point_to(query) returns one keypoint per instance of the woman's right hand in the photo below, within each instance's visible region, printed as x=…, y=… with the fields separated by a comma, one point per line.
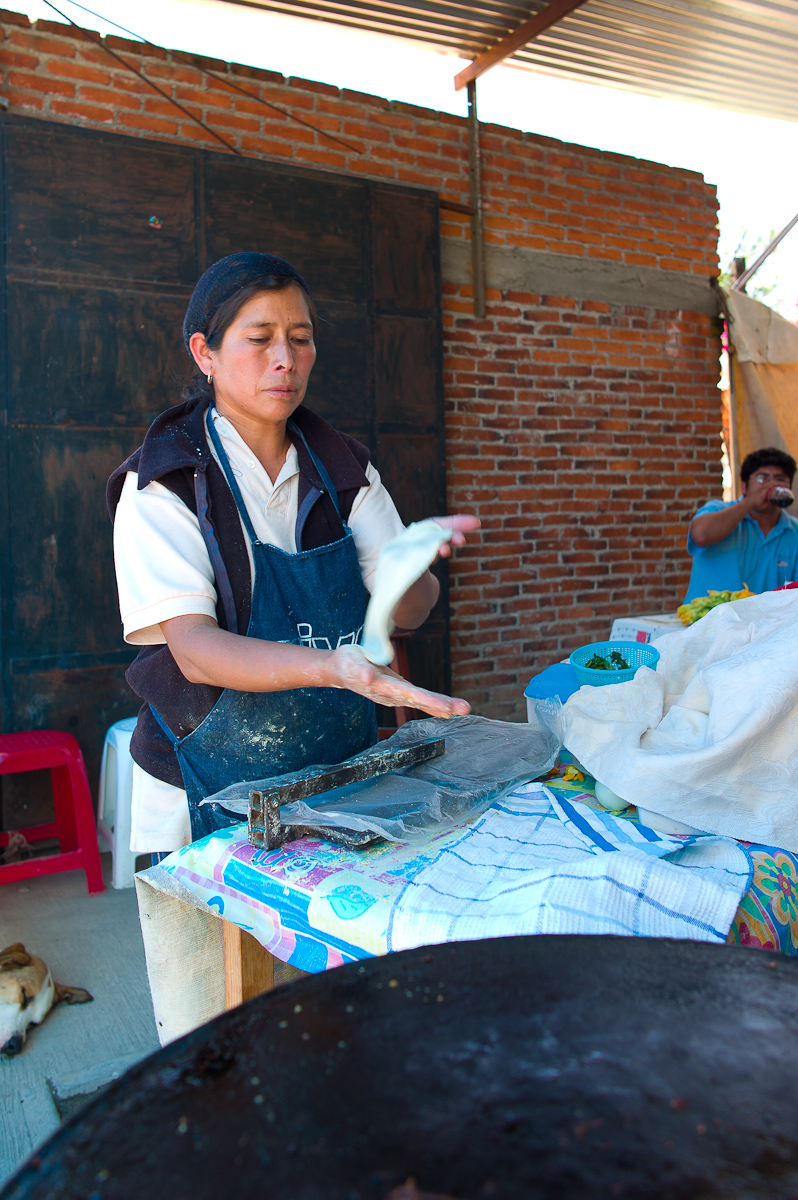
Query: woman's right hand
x=350, y=669
x=207, y=654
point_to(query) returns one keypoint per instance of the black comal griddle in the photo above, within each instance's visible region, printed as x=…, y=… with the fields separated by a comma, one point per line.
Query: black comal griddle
x=548, y=1067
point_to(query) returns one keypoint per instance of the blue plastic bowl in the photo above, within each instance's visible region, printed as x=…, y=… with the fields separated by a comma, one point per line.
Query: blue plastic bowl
x=637, y=654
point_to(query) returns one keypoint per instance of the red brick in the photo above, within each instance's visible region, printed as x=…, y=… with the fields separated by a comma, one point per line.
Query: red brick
x=196, y=133
x=35, y=41
x=203, y=97
x=87, y=112
x=13, y=18
x=245, y=72
x=68, y=31
x=147, y=123
x=110, y=96
x=267, y=147
x=56, y=87
x=308, y=85
x=323, y=158
x=76, y=70
x=174, y=73
x=19, y=99
x=153, y=103
x=11, y=58
x=144, y=49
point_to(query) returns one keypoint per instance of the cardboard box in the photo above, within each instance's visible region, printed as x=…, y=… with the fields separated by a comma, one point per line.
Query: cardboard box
x=644, y=629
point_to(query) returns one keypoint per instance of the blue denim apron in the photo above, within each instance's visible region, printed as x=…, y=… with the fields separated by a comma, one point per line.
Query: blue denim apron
x=311, y=598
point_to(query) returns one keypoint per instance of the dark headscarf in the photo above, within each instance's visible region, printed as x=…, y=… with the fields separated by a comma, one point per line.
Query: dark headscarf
x=224, y=279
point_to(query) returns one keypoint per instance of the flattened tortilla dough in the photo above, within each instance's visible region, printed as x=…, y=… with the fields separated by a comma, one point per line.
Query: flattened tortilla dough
x=402, y=561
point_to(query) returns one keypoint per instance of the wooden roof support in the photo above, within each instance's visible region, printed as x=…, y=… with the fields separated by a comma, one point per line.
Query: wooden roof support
x=475, y=196
x=526, y=32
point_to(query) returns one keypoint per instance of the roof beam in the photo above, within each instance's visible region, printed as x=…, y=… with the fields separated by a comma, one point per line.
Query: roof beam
x=525, y=33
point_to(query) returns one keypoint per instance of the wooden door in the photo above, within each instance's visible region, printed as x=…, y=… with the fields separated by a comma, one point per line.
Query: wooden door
x=106, y=236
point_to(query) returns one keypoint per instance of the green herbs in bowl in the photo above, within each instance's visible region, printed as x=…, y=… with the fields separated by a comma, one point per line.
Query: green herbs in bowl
x=601, y=663
x=612, y=662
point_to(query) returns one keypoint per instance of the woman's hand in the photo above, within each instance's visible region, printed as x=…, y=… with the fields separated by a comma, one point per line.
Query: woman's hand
x=207, y=654
x=461, y=523
x=422, y=596
x=382, y=685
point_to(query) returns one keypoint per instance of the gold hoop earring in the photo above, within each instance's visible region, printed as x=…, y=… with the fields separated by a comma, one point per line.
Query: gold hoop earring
x=210, y=377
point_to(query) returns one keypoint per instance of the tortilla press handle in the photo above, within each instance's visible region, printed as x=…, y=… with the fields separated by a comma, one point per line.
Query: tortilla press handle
x=265, y=828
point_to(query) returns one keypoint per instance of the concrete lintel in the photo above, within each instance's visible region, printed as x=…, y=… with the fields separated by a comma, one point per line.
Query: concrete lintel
x=518, y=269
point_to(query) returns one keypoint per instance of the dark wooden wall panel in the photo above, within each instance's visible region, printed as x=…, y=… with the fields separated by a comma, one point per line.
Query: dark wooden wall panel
x=83, y=204
x=338, y=388
x=94, y=297
x=60, y=566
x=406, y=249
x=95, y=356
x=405, y=385
x=317, y=221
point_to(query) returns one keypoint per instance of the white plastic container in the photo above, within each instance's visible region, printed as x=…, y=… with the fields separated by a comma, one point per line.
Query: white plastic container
x=557, y=680
x=115, y=799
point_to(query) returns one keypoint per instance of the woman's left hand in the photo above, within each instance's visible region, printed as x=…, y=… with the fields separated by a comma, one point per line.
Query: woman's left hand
x=421, y=597
x=461, y=523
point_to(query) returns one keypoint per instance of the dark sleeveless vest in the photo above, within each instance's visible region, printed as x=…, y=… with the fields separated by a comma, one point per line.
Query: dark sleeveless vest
x=174, y=452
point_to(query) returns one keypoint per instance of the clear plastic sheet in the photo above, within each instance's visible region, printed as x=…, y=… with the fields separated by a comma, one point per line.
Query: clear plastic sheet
x=483, y=759
x=548, y=714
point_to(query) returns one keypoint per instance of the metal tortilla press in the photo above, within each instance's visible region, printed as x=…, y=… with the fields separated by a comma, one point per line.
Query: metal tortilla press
x=264, y=825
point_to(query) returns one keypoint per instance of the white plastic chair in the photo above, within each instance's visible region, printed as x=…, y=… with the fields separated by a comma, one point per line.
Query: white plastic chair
x=114, y=801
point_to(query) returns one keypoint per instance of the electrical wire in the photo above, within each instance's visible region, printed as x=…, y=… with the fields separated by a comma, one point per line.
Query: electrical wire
x=219, y=78
x=107, y=21
x=129, y=66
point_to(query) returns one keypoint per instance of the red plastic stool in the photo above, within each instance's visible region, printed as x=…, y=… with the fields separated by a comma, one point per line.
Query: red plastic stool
x=74, y=814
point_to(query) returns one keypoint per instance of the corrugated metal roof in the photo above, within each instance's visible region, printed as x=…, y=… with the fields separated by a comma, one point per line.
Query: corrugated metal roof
x=735, y=54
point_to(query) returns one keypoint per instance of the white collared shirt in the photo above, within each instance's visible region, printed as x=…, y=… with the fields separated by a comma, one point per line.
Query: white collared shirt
x=162, y=564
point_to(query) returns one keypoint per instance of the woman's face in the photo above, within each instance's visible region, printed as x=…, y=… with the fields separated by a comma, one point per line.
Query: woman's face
x=261, y=369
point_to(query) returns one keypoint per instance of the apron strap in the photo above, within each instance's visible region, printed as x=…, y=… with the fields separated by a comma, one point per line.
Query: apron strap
x=231, y=479
x=224, y=590
x=319, y=465
x=175, y=741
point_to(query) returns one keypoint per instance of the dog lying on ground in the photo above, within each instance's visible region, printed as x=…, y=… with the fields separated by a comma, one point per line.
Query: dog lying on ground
x=27, y=993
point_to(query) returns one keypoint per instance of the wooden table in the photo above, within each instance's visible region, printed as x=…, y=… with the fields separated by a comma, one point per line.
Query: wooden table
x=248, y=966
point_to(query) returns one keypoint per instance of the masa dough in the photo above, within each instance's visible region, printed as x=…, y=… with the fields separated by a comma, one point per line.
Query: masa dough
x=402, y=561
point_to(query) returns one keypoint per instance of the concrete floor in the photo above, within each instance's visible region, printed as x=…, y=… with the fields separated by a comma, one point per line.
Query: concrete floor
x=92, y=942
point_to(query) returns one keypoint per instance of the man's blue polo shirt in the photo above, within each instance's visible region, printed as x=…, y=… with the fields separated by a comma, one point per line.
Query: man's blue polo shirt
x=745, y=556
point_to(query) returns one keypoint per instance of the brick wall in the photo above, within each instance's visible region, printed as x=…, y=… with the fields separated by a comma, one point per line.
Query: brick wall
x=583, y=436
x=583, y=432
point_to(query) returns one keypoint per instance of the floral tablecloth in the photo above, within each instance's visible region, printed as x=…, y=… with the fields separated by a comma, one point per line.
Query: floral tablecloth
x=768, y=914
x=316, y=906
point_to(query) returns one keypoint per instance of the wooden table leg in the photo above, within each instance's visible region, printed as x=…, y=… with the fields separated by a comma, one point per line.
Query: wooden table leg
x=248, y=967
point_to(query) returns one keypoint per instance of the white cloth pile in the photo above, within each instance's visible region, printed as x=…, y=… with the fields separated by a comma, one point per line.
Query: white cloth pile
x=536, y=863
x=711, y=738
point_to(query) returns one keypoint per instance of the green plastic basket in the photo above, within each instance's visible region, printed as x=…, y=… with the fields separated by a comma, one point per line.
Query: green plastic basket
x=637, y=654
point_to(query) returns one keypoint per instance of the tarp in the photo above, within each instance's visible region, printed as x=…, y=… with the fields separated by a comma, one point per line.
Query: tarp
x=764, y=369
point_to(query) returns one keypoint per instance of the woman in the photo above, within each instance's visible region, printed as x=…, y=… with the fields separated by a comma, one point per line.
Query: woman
x=246, y=532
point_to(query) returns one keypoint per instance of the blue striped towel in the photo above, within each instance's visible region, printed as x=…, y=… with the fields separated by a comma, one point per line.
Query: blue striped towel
x=536, y=863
